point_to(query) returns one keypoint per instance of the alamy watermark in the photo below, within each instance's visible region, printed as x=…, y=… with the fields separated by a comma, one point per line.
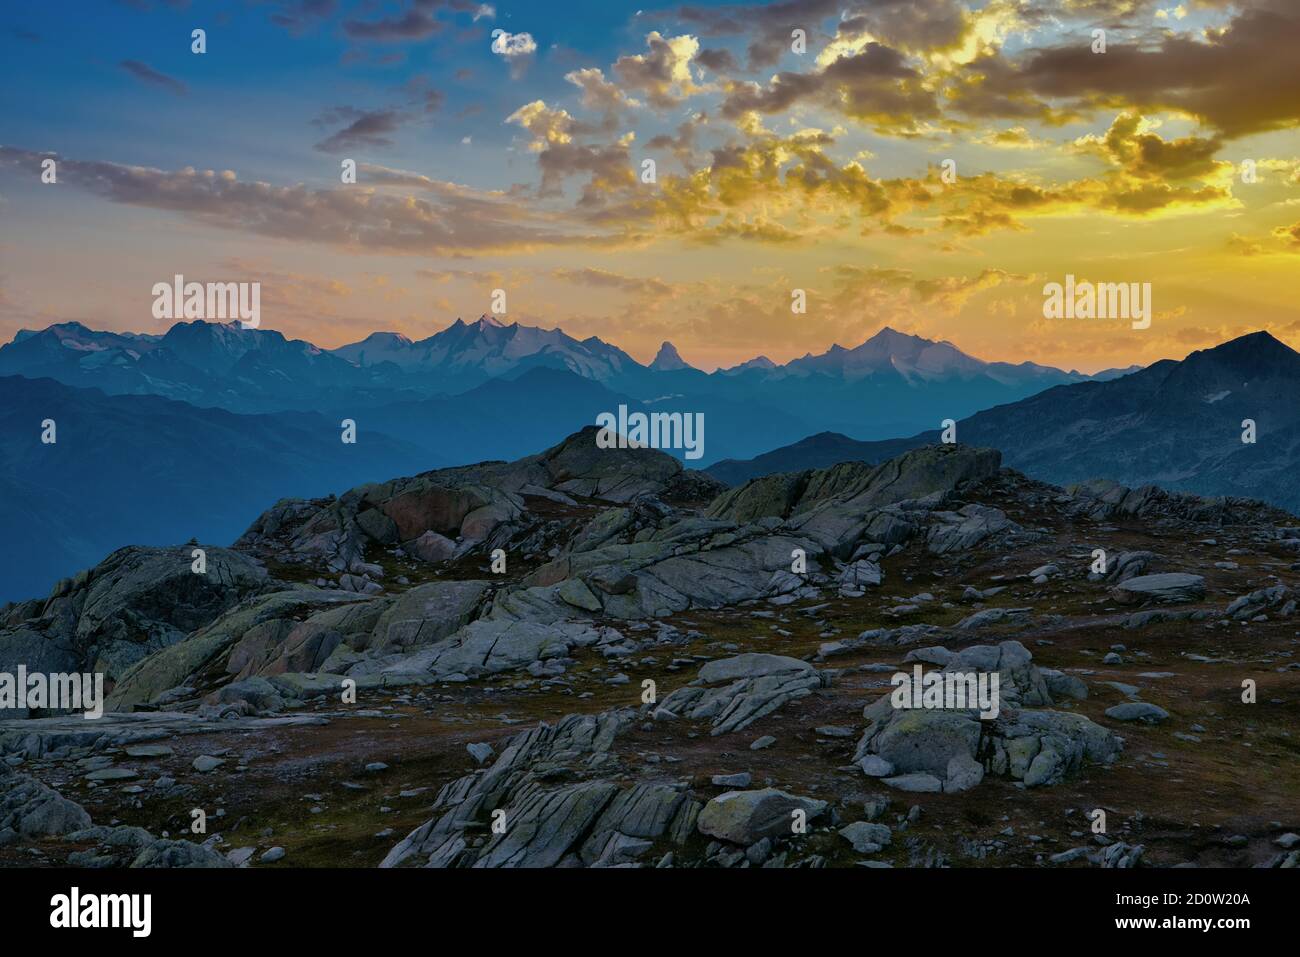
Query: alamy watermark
x=212, y=301
x=60, y=691
x=947, y=690
x=655, y=430
x=1103, y=300
x=75, y=910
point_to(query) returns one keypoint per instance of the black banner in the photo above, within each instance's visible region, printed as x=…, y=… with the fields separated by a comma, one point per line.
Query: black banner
x=350, y=906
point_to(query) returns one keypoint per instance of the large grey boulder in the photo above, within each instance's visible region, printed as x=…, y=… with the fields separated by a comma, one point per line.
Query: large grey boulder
x=926, y=741
x=427, y=614
x=1020, y=683
x=743, y=817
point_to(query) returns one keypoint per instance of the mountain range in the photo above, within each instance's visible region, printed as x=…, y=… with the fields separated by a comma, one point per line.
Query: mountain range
x=1177, y=424
x=889, y=385
x=183, y=434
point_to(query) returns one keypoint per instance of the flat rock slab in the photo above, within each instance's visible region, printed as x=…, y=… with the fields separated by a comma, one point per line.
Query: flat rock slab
x=1170, y=587
x=919, y=783
x=149, y=751
x=37, y=737
x=112, y=774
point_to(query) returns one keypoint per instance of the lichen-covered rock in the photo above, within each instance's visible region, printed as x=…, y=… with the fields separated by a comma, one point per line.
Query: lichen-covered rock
x=957, y=748
x=744, y=817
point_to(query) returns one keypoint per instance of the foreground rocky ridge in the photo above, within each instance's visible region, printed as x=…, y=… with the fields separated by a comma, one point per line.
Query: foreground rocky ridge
x=627, y=609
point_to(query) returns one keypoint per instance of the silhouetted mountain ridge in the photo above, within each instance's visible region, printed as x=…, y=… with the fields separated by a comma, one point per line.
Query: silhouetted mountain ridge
x=1178, y=424
x=891, y=383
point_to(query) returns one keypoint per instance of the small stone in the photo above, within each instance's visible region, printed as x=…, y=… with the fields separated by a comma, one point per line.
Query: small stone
x=866, y=838
x=741, y=780
x=834, y=731
x=241, y=856
x=873, y=765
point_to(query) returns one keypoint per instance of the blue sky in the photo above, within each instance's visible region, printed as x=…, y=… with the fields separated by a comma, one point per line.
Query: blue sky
x=251, y=101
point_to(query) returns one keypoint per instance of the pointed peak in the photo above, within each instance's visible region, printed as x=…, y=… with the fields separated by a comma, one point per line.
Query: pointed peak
x=1252, y=348
x=669, y=359
x=888, y=335
x=1261, y=338
x=490, y=322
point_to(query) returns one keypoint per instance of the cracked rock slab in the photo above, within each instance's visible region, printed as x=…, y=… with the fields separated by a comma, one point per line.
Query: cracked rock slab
x=733, y=693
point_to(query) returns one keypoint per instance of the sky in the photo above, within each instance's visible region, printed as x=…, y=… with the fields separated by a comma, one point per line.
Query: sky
x=927, y=165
